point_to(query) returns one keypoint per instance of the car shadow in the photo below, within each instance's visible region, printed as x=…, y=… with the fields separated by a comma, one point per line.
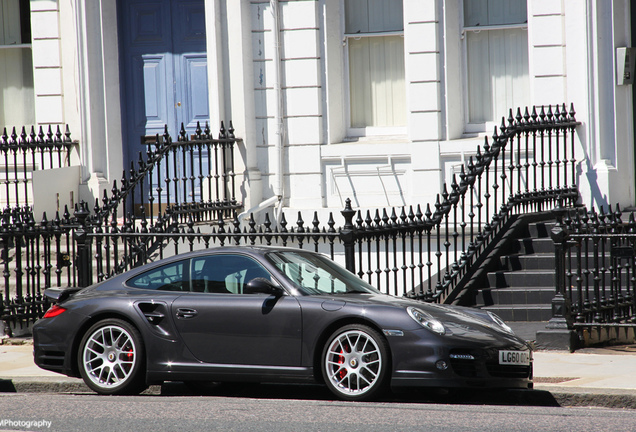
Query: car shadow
x=513, y=397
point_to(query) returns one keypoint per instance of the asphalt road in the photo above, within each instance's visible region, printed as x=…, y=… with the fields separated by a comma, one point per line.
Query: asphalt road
x=293, y=408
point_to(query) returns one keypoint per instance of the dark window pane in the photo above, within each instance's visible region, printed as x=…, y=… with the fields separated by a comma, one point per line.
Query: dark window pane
x=225, y=274
x=170, y=277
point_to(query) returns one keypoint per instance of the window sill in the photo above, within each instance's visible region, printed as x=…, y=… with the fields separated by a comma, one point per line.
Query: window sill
x=376, y=146
x=14, y=46
x=375, y=139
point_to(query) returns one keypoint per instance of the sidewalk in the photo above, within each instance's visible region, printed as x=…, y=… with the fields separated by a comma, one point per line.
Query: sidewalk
x=591, y=376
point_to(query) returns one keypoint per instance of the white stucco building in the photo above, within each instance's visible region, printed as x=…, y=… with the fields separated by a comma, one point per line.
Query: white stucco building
x=376, y=100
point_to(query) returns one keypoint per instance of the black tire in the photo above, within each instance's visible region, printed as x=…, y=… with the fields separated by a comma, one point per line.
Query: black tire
x=355, y=362
x=111, y=358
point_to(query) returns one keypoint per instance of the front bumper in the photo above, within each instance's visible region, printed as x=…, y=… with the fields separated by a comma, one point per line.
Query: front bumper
x=481, y=372
x=463, y=362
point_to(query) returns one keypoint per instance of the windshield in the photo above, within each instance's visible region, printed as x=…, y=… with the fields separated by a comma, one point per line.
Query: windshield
x=315, y=274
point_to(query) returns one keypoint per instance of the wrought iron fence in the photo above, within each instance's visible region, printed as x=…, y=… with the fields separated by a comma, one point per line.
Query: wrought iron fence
x=426, y=252
x=21, y=155
x=193, y=176
x=595, y=256
x=101, y=251
x=172, y=182
x=527, y=167
x=33, y=256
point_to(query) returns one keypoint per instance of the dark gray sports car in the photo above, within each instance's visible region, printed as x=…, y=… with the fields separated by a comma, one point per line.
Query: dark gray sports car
x=269, y=315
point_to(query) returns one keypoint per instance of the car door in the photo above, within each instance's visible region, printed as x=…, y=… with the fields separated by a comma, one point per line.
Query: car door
x=220, y=324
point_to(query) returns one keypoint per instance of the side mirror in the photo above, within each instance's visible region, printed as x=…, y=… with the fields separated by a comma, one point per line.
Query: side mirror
x=262, y=285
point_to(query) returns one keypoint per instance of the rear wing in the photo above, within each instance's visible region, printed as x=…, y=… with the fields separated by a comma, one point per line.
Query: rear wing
x=58, y=295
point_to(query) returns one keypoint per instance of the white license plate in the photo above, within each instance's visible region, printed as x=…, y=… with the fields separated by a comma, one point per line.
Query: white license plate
x=520, y=358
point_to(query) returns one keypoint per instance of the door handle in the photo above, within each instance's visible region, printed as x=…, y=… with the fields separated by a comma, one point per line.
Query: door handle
x=186, y=313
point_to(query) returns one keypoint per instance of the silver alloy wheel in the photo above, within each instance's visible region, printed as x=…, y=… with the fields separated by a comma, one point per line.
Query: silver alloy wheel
x=353, y=362
x=109, y=356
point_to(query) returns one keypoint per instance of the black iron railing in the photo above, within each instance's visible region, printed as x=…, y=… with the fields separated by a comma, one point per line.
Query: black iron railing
x=192, y=179
x=193, y=176
x=101, y=252
x=172, y=182
x=22, y=154
x=428, y=252
x=33, y=256
x=527, y=167
x=595, y=258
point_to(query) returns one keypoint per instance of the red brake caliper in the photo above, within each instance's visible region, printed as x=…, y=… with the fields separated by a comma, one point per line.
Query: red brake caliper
x=129, y=354
x=343, y=371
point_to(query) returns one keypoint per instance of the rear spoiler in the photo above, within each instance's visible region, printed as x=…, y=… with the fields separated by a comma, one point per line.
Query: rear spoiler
x=58, y=295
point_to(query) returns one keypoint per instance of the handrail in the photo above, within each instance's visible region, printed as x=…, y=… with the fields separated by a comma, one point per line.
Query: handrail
x=529, y=165
x=138, y=180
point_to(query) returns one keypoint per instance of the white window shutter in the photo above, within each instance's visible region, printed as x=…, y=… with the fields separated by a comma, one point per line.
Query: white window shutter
x=17, y=100
x=376, y=63
x=497, y=59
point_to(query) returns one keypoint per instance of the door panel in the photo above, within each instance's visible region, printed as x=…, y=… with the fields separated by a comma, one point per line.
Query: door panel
x=240, y=329
x=195, y=91
x=148, y=23
x=149, y=77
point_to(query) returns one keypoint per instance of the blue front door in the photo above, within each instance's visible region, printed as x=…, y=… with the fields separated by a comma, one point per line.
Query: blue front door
x=164, y=70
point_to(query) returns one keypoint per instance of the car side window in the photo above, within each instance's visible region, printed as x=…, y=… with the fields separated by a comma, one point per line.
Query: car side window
x=225, y=273
x=170, y=277
x=312, y=277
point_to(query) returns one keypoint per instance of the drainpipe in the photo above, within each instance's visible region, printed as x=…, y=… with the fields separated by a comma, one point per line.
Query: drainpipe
x=278, y=116
x=279, y=190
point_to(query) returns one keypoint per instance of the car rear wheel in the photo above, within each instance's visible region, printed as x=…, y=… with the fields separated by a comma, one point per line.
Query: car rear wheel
x=355, y=362
x=111, y=358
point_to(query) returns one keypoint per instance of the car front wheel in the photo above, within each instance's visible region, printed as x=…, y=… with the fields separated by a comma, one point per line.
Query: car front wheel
x=111, y=358
x=355, y=362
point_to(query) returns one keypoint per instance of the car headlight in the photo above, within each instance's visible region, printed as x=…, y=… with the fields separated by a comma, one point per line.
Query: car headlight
x=426, y=320
x=500, y=323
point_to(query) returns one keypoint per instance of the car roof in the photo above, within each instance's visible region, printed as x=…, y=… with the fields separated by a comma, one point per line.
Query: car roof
x=253, y=250
x=250, y=249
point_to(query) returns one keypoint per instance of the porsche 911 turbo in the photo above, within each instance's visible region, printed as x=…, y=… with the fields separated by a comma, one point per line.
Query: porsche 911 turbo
x=269, y=314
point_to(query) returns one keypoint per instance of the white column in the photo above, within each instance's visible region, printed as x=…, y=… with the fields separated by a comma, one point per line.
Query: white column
x=99, y=102
x=239, y=95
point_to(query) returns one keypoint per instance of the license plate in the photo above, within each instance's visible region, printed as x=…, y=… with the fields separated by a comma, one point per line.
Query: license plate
x=519, y=358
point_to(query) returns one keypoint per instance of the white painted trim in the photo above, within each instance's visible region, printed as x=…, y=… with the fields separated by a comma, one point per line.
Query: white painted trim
x=214, y=50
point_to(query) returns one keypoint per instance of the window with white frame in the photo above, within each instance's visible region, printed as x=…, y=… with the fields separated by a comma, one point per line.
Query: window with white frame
x=17, y=99
x=495, y=34
x=374, y=40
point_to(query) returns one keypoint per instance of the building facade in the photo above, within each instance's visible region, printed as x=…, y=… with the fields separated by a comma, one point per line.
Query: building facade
x=379, y=101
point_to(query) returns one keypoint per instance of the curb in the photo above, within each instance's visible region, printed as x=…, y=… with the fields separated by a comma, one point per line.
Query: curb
x=542, y=395
x=591, y=397
x=54, y=385
x=42, y=385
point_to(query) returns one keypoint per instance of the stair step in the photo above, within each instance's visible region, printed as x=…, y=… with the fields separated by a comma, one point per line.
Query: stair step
x=528, y=262
x=527, y=330
x=524, y=287
x=522, y=279
x=529, y=312
x=540, y=229
x=510, y=296
x=545, y=261
x=528, y=246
